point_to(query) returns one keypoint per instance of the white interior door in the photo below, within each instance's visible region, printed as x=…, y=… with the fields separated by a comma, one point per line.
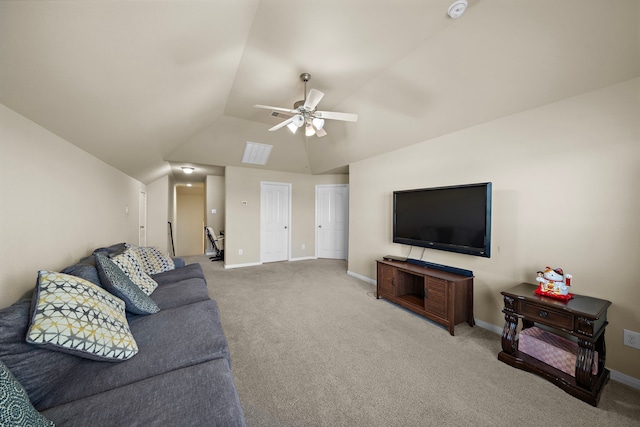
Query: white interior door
x=332, y=221
x=274, y=227
x=142, y=219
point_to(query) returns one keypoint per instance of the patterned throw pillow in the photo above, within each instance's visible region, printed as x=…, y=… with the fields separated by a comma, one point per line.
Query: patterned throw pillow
x=114, y=280
x=152, y=260
x=15, y=407
x=128, y=262
x=75, y=316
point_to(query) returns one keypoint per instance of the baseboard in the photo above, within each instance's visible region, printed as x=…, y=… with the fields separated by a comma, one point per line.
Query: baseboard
x=625, y=379
x=250, y=264
x=361, y=277
x=489, y=326
x=303, y=258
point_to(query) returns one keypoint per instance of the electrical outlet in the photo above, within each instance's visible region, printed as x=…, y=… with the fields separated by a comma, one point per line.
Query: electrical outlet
x=631, y=339
x=240, y=251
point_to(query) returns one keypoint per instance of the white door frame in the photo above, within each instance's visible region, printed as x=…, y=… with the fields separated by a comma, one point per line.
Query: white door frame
x=263, y=230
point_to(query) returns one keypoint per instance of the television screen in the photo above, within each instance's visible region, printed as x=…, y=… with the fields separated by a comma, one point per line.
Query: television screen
x=456, y=218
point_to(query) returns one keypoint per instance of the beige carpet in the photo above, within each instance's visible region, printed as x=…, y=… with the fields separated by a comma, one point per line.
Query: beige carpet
x=312, y=346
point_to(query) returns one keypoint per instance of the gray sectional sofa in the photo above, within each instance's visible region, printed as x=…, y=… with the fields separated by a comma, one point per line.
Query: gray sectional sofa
x=180, y=376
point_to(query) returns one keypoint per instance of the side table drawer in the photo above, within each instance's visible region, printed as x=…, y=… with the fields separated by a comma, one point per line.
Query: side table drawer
x=549, y=317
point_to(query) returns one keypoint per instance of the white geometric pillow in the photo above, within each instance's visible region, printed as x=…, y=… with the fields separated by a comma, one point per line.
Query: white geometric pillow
x=75, y=316
x=152, y=260
x=128, y=262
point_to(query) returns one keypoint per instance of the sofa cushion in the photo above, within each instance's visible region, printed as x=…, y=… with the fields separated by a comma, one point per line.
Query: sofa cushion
x=113, y=250
x=169, y=340
x=191, y=271
x=86, y=269
x=188, y=291
x=37, y=369
x=119, y=284
x=152, y=260
x=199, y=395
x=128, y=262
x=15, y=407
x=75, y=316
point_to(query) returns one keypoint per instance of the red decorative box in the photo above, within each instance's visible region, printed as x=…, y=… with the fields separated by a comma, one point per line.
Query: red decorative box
x=552, y=349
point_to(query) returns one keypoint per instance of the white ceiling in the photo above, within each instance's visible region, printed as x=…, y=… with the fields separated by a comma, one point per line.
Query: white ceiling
x=149, y=86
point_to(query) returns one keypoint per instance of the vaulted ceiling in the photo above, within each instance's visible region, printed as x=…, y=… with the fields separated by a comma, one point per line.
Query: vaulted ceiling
x=149, y=86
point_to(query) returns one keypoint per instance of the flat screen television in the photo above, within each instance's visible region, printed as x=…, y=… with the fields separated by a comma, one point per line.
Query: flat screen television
x=455, y=218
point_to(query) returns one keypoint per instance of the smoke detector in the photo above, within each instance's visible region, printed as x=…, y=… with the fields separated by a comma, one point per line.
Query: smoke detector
x=456, y=10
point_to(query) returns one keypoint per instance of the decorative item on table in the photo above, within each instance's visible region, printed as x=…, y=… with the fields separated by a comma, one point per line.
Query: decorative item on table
x=554, y=283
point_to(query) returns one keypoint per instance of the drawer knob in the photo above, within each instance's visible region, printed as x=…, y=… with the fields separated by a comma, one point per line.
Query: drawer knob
x=543, y=313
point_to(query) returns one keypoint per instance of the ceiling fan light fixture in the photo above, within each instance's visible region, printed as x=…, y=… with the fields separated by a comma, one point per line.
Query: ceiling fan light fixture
x=309, y=130
x=292, y=127
x=318, y=123
x=305, y=113
x=298, y=120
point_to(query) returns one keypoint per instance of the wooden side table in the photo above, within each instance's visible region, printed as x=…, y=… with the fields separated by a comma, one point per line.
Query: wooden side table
x=582, y=317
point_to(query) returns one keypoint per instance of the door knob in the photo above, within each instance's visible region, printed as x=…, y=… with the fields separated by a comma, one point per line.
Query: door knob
x=319, y=226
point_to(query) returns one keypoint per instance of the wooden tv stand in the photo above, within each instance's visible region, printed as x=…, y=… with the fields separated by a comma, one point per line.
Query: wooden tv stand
x=582, y=317
x=443, y=297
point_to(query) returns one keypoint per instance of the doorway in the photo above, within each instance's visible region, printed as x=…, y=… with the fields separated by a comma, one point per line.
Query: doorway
x=190, y=210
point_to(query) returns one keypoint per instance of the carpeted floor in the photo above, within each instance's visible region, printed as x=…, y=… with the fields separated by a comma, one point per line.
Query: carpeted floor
x=312, y=346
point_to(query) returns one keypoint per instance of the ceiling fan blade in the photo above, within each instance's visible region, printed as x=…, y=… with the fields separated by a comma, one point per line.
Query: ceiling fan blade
x=285, y=110
x=347, y=117
x=282, y=124
x=313, y=99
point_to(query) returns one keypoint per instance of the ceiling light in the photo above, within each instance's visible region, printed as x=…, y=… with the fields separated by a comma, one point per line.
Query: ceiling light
x=298, y=120
x=457, y=8
x=187, y=170
x=318, y=123
x=256, y=153
x=189, y=185
x=292, y=127
x=309, y=131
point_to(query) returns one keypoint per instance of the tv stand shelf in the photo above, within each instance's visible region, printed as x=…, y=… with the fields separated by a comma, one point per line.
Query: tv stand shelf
x=444, y=297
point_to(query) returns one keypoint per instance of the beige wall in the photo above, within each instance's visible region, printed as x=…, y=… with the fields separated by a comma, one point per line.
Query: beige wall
x=242, y=226
x=565, y=193
x=58, y=204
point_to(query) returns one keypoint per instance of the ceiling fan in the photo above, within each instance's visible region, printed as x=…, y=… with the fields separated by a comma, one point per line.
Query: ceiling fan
x=304, y=113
